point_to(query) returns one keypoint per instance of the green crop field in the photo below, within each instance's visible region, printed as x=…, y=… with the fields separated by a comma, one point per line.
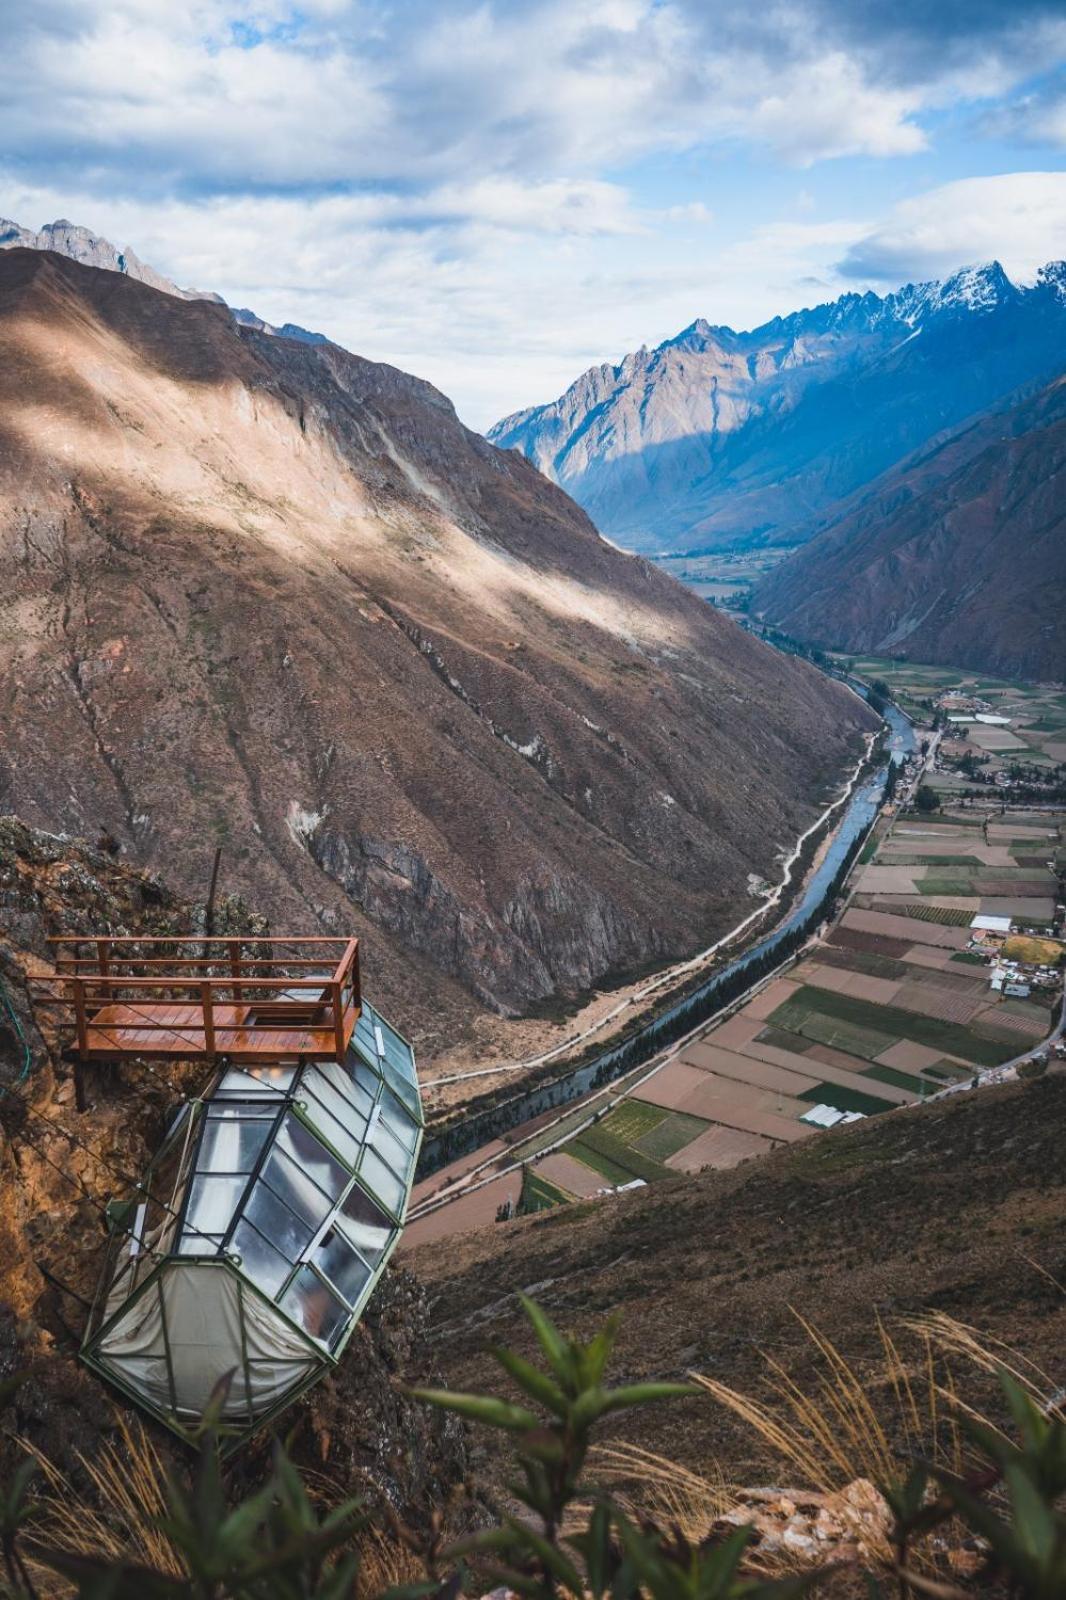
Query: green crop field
x=949, y=1069
x=539, y=1195
x=938, y=821
x=671, y=1135
x=809, y=1012
x=613, y=1159
x=781, y=1039
x=947, y=916
x=868, y=1020
x=963, y=863
x=613, y=1171
x=865, y=961
x=892, y=1075
x=844, y=1099
x=632, y=1119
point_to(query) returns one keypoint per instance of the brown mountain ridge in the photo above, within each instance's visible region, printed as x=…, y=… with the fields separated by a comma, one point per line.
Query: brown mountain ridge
x=957, y=556
x=272, y=596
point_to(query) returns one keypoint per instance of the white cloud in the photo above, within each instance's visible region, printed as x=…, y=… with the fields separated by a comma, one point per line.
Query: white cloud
x=237, y=96
x=1017, y=218
x=443, y=183
x=830, y=109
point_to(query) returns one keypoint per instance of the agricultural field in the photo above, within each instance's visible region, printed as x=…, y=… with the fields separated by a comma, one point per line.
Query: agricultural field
x=1036, y=734
x=892, y=1007
x=724, y=578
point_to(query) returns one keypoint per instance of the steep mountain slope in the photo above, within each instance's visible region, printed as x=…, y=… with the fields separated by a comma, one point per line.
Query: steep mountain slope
x=269, y=595
x=958, y=555
x=954, y=1207
x=718, y=438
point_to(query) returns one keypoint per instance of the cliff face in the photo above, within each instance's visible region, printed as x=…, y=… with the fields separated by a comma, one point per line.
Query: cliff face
x=267, y=595
x=957, y=556
x=718, y=438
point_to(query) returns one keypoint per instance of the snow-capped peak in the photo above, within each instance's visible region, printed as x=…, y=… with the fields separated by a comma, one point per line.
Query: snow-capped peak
x=978, y=288
x=1053, y=277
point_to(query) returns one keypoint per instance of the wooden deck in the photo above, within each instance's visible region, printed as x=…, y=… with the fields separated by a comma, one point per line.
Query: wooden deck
x=254, y=1000
x=177, y=1032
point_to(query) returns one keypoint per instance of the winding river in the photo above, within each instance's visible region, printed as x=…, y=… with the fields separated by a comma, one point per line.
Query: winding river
x=858, y=817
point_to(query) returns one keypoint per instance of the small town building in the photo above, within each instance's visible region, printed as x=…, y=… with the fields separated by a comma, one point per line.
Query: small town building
x=985, y=924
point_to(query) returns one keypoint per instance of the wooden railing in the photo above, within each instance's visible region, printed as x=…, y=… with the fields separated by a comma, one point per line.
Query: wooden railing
x=260, y=987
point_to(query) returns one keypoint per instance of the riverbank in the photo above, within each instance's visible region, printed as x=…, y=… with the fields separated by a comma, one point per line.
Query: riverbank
x=619, y=1013
x=491, y=1124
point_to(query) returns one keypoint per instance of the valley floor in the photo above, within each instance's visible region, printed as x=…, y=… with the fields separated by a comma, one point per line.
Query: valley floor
x=503, y=1051
x=899, y=1000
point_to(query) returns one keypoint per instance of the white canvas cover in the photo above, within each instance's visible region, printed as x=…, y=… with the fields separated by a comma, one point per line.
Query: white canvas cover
x=203, y=1329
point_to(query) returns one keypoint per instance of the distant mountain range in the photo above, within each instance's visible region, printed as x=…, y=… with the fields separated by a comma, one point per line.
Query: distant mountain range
x=81, y=244
x=718, y=439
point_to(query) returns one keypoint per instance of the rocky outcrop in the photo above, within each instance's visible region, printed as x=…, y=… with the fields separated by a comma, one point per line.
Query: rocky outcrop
x=266, y=595
x=957, y=556
x=81, y=244
x=718, y=438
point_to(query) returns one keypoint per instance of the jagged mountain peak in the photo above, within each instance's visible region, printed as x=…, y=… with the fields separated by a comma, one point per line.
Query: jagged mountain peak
x=77, y=243
x=720, y=438
x=1053, y=276
x=699, y=335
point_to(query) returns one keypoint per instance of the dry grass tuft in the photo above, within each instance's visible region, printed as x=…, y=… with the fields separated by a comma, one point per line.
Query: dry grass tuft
x=649, y=1485
x=385, y=1563
x=991, y=1355
x=849, y=1425
x=127, y=1478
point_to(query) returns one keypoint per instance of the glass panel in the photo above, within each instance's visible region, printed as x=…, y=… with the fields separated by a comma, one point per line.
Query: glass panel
x=259, y=1260
x=406, y=1091
x=346, y=1144
x=350, y=1108
x=199, y=1244
x=342, y=1077
x=390, y=1149
x=336, y=1258
x=365, y=1224
x=288, y=1233
x=296, y=1189
x=399, y=1122
x=385, y=1184
x=366, y=1078
x=311, y=1156
x=392, y=1056
x=315, y=1307
x=231, y=1142
x=212, y=1202
x=254, y=1083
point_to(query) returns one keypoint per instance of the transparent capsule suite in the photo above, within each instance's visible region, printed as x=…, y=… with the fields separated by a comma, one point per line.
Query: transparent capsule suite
x=260, y=1232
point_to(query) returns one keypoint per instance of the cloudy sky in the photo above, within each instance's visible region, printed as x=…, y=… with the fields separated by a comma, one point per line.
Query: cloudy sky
x=498, y=193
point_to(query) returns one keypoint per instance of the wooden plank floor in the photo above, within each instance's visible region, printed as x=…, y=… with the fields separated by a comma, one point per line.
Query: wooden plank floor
x=114, y=1032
